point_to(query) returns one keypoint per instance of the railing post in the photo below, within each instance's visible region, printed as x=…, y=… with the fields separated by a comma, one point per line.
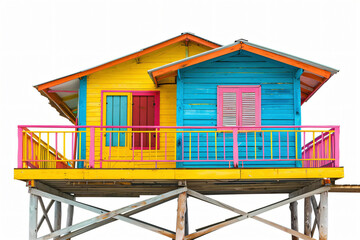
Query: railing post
x=20, y=147
x=235, y=147
x=337, y=146
x=92, y=148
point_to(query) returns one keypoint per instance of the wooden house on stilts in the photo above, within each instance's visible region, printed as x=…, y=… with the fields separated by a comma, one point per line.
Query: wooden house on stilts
x=184, y=117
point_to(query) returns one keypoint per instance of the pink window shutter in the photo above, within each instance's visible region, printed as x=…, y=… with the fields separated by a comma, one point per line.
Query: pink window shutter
x=250, y=107
x=239, y=106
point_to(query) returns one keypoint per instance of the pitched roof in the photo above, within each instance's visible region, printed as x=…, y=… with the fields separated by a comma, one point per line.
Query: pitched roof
x=314, y=76
x=179, y=38
x=65, y=102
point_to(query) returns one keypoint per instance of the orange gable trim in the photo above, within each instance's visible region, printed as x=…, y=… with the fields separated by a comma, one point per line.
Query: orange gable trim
x=182, y=64
x=127, y=58
x=287, y=60
x=193, y=61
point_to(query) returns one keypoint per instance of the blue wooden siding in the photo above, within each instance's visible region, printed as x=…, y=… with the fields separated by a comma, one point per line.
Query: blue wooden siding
x=197, y=106
x=116, y=115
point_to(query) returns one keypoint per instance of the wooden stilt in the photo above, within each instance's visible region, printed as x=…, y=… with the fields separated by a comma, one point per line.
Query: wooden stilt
x=307, y=216
x=294, y=219
x=187, y=220
x=323, y=212
x=33, y=217
x=180, y=220
x=70, y=216
x=57, y=217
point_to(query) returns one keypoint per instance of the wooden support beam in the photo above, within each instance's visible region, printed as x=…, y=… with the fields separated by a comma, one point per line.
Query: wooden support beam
x=323, y=212
x=70, y=216
x=238, y=211
x=180, y=220
x=136, y=222
x=253, y=213
x=108, y=215
x=304, y=95
x=316, y=185
x=305, y=85
x=45, y=215
x=313, y=76
x=345, y=188
x=187, y=219
x=307, y=216
x=57, y=217
x=294, y=218
x=45, y=188
x=33, y=217
x=59, y=103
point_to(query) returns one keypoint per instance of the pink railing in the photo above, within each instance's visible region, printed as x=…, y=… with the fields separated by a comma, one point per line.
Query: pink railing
x=320, y=147
x=177, y=147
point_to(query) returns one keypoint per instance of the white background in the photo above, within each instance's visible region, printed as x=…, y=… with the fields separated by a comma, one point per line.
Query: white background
x=44, y=40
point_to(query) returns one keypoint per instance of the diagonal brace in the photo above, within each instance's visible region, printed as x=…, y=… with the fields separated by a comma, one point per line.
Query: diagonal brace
x=107, y=215
x=45, y=212
x=126, y=218
x=253, y=213
x=317, y=216
x=233, y=209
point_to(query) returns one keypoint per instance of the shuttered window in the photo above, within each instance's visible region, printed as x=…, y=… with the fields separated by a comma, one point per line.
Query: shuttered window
x=229, y=109
x=239, y=106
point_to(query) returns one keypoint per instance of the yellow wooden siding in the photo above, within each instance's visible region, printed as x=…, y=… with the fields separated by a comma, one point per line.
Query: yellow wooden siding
x=133, y=76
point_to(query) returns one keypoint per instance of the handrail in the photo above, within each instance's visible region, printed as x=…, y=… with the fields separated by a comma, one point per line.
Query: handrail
x=238, y=146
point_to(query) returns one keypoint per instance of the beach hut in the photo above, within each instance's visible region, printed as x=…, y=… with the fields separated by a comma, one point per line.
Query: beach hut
x=184, y=117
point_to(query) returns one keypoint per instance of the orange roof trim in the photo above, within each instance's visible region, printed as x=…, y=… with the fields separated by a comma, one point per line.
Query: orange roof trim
x=183, y=37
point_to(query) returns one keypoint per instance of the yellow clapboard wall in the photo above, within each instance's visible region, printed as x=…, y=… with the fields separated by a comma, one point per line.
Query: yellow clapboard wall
x=132, y=76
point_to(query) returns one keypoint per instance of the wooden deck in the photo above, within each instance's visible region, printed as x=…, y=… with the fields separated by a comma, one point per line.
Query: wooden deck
x=136, y=182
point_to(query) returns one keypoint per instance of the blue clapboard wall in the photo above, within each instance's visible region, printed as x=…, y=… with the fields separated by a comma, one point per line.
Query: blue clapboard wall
x=197, y=106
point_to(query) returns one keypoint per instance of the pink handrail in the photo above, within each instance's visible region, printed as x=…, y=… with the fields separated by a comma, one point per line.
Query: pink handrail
x=248, y=145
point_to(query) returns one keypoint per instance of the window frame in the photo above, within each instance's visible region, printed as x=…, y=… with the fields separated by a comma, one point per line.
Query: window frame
x=129, y=114
x=238, y=89
x=130, y=94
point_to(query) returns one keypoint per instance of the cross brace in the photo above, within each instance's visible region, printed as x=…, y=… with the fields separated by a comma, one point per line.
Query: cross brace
x=124, y=214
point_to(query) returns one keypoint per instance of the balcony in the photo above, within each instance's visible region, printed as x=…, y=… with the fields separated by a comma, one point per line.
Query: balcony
x=59, y=147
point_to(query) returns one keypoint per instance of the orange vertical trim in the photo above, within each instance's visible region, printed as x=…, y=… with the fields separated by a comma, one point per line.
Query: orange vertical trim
x=127, y=58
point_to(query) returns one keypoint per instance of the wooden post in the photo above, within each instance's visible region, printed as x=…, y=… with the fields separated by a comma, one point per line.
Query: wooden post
x=235, y=147
x=20, y=147
x=33, y=217
x=70, y=215
x=92, y=148
x=57, y=217
x=337, y=146
x=307, y=216
x=180, y=220
x=323, y=212
x=294, y=218
x=187, y=219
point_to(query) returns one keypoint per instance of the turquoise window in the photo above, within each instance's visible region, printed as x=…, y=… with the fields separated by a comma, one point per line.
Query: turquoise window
x=116, y=115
